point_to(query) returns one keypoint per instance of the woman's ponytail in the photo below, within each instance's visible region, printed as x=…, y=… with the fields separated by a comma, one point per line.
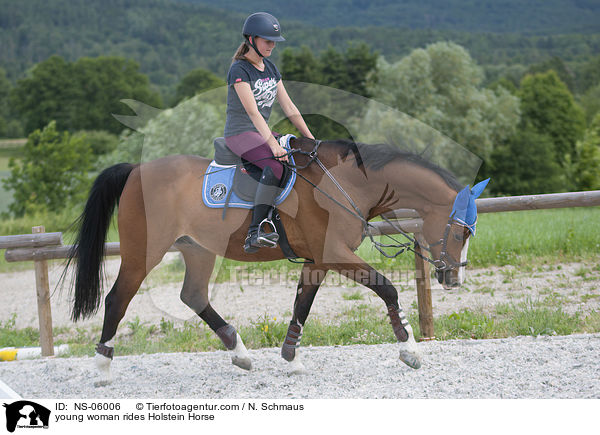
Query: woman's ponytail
x=241, y=51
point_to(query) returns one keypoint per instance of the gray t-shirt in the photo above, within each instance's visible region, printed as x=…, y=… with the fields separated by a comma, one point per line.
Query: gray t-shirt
x=264, y=87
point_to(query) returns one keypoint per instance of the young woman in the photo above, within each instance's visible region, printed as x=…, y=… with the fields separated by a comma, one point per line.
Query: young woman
x=254, y=84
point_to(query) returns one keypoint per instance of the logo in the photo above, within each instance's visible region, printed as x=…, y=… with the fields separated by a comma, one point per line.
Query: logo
x=265, y=91
x=218, y=192
x=26, y=415
x=276, y=27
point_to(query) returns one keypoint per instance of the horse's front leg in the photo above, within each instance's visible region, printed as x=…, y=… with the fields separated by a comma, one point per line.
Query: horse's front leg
x=364, y=274
x=311, y=278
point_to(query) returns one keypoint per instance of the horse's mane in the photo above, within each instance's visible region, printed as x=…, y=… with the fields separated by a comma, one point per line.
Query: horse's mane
x=376, y=156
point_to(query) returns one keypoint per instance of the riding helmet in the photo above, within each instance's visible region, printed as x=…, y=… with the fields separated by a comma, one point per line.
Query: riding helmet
x=264, y=26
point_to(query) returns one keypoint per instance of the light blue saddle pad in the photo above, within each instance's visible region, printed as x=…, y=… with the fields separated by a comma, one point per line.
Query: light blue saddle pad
x=218, y=180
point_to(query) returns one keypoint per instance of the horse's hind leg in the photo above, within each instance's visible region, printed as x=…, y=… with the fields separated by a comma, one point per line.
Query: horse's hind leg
x=311, y=278
x=135, y=266
x=142, y=248
x=115, y=304
x=199, y=264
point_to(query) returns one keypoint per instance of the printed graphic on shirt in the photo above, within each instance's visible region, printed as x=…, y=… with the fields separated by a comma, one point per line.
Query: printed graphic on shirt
x=265, y=91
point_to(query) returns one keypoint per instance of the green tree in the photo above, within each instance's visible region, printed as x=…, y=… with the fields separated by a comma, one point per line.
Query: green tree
x=300, y=66
x=100, y=83
x=4, y=106
x=51, y=175
x=587, y=162
x=526, y=164
x=590, y=101
x=45, y=95
x=100, y=142
x=441, y=86
x=195, y=82
x=349, y=70
x=589, y=75
x=548, y=106
x=557, y=65
x=80, y=95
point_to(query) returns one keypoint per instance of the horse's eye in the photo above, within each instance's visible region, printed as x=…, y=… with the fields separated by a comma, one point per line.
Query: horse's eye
x=458, y=237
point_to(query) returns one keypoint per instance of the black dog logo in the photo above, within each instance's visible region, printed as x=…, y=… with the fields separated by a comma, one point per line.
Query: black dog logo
x=26, y=414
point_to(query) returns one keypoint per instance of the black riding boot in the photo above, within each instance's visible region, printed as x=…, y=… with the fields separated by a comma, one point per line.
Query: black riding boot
x=266, y=192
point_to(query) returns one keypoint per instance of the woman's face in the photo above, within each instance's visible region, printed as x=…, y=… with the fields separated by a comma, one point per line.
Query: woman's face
x=264, y=46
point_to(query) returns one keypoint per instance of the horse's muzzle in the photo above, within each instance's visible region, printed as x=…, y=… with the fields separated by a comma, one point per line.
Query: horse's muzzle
x=448, y=278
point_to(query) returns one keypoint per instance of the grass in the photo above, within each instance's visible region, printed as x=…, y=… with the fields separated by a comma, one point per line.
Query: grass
x=360, y=325
x=354, y=296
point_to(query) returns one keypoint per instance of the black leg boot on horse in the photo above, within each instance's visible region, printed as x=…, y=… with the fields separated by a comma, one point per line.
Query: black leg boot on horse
x=264, y=200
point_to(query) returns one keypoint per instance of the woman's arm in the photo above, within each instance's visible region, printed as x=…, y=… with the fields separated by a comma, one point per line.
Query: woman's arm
x=244, y=91
x=291, y=111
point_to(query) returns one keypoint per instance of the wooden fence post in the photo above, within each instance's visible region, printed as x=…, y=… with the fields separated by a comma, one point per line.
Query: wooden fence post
x=423, y=293
x=42, y=286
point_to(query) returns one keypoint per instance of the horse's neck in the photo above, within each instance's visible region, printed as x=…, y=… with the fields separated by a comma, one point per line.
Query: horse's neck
x=408, y=185
x=399, y=184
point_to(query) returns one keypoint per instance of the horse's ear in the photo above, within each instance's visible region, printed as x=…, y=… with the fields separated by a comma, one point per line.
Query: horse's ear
x=478, y=188
x=460, y=204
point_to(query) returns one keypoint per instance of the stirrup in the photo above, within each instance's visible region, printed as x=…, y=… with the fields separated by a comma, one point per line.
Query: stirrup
x=267, y=240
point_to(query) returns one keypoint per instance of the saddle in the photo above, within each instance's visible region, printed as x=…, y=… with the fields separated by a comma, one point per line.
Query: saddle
x=246, y=174
x=231, y=181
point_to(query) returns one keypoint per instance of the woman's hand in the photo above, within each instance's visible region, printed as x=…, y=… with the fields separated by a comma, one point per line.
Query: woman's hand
x=280, y=153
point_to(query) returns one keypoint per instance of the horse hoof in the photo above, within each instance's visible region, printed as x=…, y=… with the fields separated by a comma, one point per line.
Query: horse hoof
x=410, y=359
x=297, y=368
x=243, y=363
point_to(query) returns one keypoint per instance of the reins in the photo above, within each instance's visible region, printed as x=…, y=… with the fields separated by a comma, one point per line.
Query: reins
x=445, y=262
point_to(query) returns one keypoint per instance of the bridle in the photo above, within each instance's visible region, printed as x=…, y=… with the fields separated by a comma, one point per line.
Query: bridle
x=442, y=265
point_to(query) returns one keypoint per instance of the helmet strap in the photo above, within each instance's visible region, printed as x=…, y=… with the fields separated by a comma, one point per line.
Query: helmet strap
x=253, y=45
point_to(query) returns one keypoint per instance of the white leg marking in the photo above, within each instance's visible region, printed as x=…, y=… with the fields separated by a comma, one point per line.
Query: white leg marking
x=296, y=367
x=409, y=351
x=103, y=366
x=241, y=357
x=463, y=258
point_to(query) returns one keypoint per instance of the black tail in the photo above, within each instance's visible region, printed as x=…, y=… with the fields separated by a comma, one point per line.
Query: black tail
x=89, y=245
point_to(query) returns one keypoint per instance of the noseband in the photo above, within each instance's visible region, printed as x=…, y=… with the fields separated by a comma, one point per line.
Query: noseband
x=446, y=262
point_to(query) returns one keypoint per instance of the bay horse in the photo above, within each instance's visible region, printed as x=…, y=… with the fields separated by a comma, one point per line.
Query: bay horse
x=160, y=205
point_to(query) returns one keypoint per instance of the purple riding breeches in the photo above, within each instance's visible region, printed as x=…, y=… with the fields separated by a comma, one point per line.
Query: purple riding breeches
x=251, y=146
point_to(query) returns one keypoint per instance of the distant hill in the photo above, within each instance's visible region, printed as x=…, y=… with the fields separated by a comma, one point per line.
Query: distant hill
x=528, y=17
x=169, y=38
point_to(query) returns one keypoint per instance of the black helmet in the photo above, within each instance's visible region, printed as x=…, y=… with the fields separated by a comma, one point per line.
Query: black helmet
x=264, y=26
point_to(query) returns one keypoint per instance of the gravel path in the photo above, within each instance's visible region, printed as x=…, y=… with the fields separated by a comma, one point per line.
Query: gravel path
x=521, y=367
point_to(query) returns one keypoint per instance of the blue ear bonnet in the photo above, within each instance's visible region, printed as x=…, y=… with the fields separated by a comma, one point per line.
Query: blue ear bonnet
x=464, y=210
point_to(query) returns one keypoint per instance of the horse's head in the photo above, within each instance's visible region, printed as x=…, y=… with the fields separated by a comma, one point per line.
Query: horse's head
x=448, y=236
